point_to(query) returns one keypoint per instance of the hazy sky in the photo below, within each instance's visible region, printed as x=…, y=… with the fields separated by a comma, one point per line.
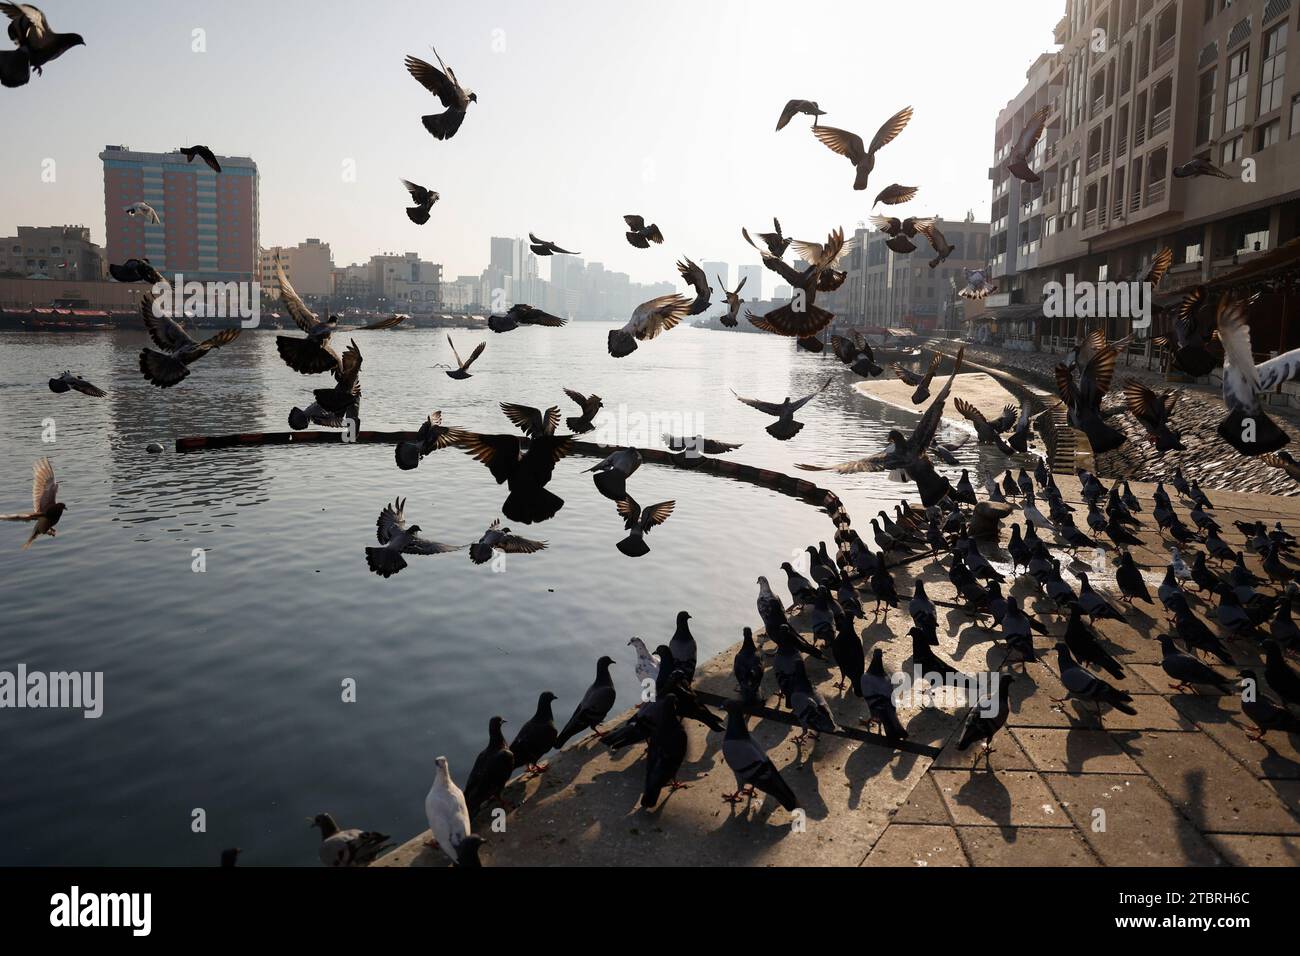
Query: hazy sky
x=587, y=110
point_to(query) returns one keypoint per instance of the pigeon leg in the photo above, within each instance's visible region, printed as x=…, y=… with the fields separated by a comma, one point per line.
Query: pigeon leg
x=1255, y=734
x=674, y=785
x=536, y=769
x=733, y=798
x=1179, y=687
x=432, y=844
x=600, y=734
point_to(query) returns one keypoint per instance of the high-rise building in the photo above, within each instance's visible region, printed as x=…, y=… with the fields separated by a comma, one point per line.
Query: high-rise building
x=52, y=252
x=753, y=276
x=308, y=265
x=717, y=272
x=1136, y=89
x=209, y=228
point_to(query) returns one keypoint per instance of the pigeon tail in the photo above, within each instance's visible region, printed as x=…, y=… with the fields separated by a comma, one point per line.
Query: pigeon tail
x=407, y=454
x=784, y=431
x=58, y=386
x=162, y=370
x=384, y=561
x=15, y=68
x=417, y=214
x=634, y=546
x=531, y=505
x=443, y=125
x=612, y=484
x=1268, y=437
x=303, y=355
x=1020, y=169
x=621, y=343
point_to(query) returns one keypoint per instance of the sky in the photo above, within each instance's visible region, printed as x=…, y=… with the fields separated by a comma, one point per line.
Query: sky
x=587, y=110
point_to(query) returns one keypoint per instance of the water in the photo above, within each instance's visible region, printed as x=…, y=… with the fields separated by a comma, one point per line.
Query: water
x=223, y=689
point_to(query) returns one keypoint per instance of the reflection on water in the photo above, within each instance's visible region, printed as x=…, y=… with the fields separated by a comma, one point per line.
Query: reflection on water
x=222, y=688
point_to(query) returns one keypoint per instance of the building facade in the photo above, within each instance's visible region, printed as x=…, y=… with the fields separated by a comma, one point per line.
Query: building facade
x=308, y=265
x=209, y=228
x=1137, y=88
x=52, y=252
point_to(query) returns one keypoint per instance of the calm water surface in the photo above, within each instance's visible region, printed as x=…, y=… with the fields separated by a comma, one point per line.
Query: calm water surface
x=222, y=689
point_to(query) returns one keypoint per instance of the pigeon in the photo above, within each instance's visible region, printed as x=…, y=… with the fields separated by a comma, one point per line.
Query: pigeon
x=497, y=538
x=543, y=247
x=613, y=471
x=752, y=767
x=443, y=84
x=933, y=667
x=348, y=847
x=594, y=707
x=1284, y=681
x=1284, y=462
x=942, y=247
x=46, y=508
x=985, y=433
x=649, y=319
x=136, y=270
x=697, y=280
x=895, y=194
x=1199, y=167
x=1196, y=636
x=37, y=43
x=423, y=198
x=846, y=648
x=801, y=589
x=1083, y=400
x=313, y=354
x=520, y=314
x=1192, y=346
x=1093, y=604
x=68, y=381
x=808, y=705
x=734, y=302
x=1265, y=713
x=1022, y=151
x=639, y=522
x=447, y=812
x=461, y=371
x=922, y=383
x=851, y=146
x=1247, y=428
x=665, y=751
x=856, y=353
x=331, y=407
x=396, y=539
x=699, y=445
x=907, y=454
x=1081, y=685
x=682, y=647
x=431, y=436
x=979, y=285
x=878, y=690
x=1154, y=412
x=1188, y=670
x=230, y=857
x=536, y=736
x=794, y=107
x=647, y=665
x=638, y=727
x=785, y=427
x=1017, y=631
x=203, y=153
x=1130, y=581
x=491, y=771
x=901, y=232
x=775, y=242
x=144, y=211
x=177, y=350
x=987, y=717
x=747, y=668
x=590, y=405
x=524, y=465
x=639, y=234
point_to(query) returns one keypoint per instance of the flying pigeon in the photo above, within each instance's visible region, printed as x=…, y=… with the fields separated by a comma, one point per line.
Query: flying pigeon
x=639, y=234
x=1021, y=152
x=639, y=522
x=461, y=371
x=497, y=538
x=794, y=107
x=177, y=350
x=524, y=465
x=396, y=539
x=432, y=436
x=734, y=302
x=979, y=285
x=1247, y=428
x=444, y=85
x=695, y=278
x=313, y=354
x=1199, y=167
x=136, y=270
x=46, y=508
x=850, y=145
x=648, y=320
x=423, y=199
x=331, y=407
x=543, y=247
x=203, y=153
x=521, y=314
x=75, y=382
x=37, y=43
x=144, y=211
x=699, y=445
x=785, y=427
x=613, y=471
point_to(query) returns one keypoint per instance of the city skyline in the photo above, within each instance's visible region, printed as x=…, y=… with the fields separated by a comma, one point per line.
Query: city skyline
x=612, y=151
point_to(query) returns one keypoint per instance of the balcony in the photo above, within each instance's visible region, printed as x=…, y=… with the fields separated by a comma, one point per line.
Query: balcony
x=1140, y=136
x=1155, y=192
x=1135, y=202
x=1090, y=219
x=1164, y=53
x=1117, y=208
x=1122, y=147
x=1094, y=163
x=1160, y=122
x=1098, y=104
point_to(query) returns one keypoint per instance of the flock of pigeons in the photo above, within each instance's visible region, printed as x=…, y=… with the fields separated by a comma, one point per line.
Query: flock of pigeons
x=950, y=524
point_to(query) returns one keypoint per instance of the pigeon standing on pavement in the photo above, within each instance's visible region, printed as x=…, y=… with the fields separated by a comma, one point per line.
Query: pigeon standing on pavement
x=665, y=751
x=594, y=707
x=536, y=737
x=986, y=717
x=747, y=667
x=445, y=809
x=752, y=767
x=352, y=847
x=491, y=771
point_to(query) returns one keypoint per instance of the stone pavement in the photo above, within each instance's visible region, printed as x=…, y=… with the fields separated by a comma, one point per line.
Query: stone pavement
x=1179, y=784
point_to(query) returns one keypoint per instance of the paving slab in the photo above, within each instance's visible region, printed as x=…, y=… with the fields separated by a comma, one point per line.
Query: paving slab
x=1032, y=846
x=1141, y=826
x=1257, y=850
x=1277, y=756
x=999, y=798
x=924, y=805
x=1077, y=750
x=911, y=845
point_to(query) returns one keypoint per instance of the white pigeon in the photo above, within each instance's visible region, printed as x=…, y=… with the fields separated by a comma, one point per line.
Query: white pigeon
x=445, y=809
x=145, y=211
x=1247, y=428
x=1181, y=571
x=647, y=665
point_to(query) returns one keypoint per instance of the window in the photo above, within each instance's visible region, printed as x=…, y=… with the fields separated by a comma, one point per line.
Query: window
x=1205, y=106
x=1268, y=135
x=1232, y=150
x=1295, y=117
x=1234, y=113
x=1272, y=72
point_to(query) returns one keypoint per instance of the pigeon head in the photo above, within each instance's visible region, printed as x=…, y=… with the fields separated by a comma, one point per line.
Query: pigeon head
x=683, y=617
x=546, y=697
x=325, y=823
x=605, y=661
x=663, y=653
x=414, y=529
x=472, y=97
x=443, y=769
x=57, y=512
x=494, y=725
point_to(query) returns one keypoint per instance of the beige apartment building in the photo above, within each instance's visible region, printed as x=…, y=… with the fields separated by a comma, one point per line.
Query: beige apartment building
x=308, y=265
x=1137, y=88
